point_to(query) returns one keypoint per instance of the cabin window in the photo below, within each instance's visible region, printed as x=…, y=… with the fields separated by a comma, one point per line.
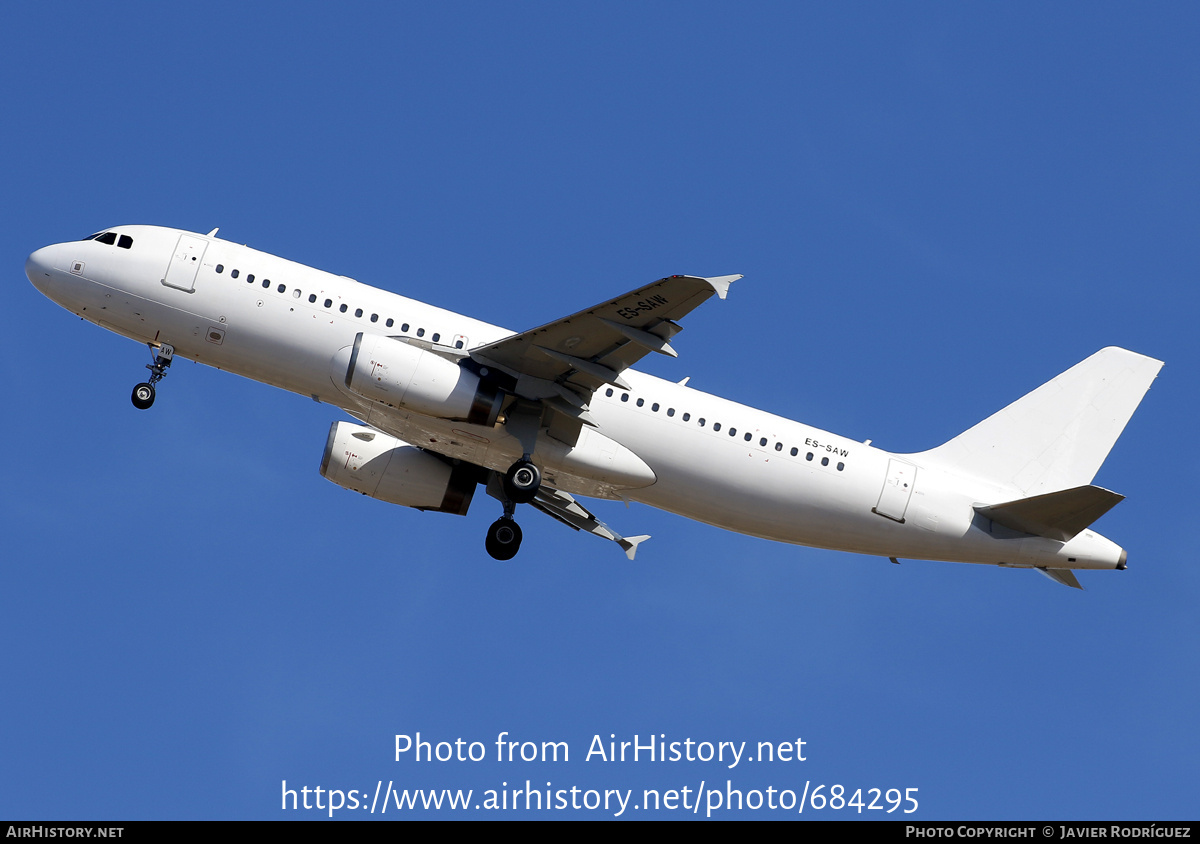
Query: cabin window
x=266, y=283
x=687, y=417
x=234, y=274
x=841, y=466
x=295, y=293
x=654, y=407
x=624, y=396
x=808, y=456
x=329, y=303
x=436, y=337
x=404, y=328
x=824, y=461
x=763, y=441
x=670, y=411
x=250, y=279
x=779, y=446
x=700, y=422
x=312, y=297
x=390, y=322
x=125, y=241
x=344, y=307
x=641, y=402
x=420, y=332
x=716, y=426
x=374, y=317
x=609, y=392
x=733, y=432
x=795, y=451
x=458, y=344
x=358, y=312
x=281, y=288
x=220, y=268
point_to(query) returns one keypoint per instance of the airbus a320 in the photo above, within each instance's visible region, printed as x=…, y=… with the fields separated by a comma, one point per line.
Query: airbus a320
x=445, y=404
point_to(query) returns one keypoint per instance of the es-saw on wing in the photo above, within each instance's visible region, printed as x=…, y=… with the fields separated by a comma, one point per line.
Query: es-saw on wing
x=571, y=358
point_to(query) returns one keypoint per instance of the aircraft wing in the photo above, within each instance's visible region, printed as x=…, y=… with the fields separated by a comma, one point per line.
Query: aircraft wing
x=563, y=507
x=570, y=512
x=573, y=357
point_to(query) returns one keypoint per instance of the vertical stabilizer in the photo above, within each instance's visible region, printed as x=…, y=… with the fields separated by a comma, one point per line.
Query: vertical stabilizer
x=1056, y=437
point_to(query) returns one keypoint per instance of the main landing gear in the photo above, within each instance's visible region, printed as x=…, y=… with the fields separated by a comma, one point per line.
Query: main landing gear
x=519, y=486
x=503, y=539
x=522, y=481
x=143, y=394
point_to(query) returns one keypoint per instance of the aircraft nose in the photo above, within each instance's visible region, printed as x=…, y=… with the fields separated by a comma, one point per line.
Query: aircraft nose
x=38, y=266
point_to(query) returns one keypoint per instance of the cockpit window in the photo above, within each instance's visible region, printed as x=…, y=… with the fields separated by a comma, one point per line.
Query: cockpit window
x=110, y=239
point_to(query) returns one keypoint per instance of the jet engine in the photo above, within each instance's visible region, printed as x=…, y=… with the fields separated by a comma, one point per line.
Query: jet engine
x=381, y=466
x=405, y=376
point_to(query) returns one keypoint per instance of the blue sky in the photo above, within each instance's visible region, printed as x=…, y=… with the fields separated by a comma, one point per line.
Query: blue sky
x=936, y=208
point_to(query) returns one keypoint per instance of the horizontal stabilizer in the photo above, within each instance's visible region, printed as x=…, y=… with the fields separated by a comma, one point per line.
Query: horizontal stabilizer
x=1055, y=515
x=1064, y=576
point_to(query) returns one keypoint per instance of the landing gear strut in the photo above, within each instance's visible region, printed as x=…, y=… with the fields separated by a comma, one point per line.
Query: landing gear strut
x=518, y=485
x=143, y=394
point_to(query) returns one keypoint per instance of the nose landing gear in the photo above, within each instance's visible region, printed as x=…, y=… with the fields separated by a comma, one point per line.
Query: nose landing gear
x=143, y=394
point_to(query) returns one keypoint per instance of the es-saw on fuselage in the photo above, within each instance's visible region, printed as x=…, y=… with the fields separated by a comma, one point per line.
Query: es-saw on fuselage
x=555, y=412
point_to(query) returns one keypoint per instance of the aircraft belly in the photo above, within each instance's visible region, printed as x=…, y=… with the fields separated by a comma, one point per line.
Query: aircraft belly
x=755, y=492
x=595, y=467
x=265, y=340
x=760, y=494
x=140, y=318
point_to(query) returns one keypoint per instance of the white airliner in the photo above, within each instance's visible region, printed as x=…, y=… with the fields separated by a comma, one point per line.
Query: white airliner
x=448, y=402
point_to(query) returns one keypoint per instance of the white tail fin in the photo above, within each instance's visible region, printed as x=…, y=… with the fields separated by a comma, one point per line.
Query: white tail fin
x=1056, y=437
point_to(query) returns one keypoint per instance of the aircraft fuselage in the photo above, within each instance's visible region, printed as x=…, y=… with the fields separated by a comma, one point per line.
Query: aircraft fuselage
x=656, y=442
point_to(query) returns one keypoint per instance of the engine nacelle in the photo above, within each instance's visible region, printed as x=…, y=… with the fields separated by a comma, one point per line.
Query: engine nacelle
x=383, y=467
x=405, y=376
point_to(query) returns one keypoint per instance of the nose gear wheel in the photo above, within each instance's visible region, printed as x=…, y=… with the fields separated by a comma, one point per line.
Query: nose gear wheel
x=143, y=394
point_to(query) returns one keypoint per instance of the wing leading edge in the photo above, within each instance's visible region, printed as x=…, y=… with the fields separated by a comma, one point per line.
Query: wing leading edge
x=571, y=358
